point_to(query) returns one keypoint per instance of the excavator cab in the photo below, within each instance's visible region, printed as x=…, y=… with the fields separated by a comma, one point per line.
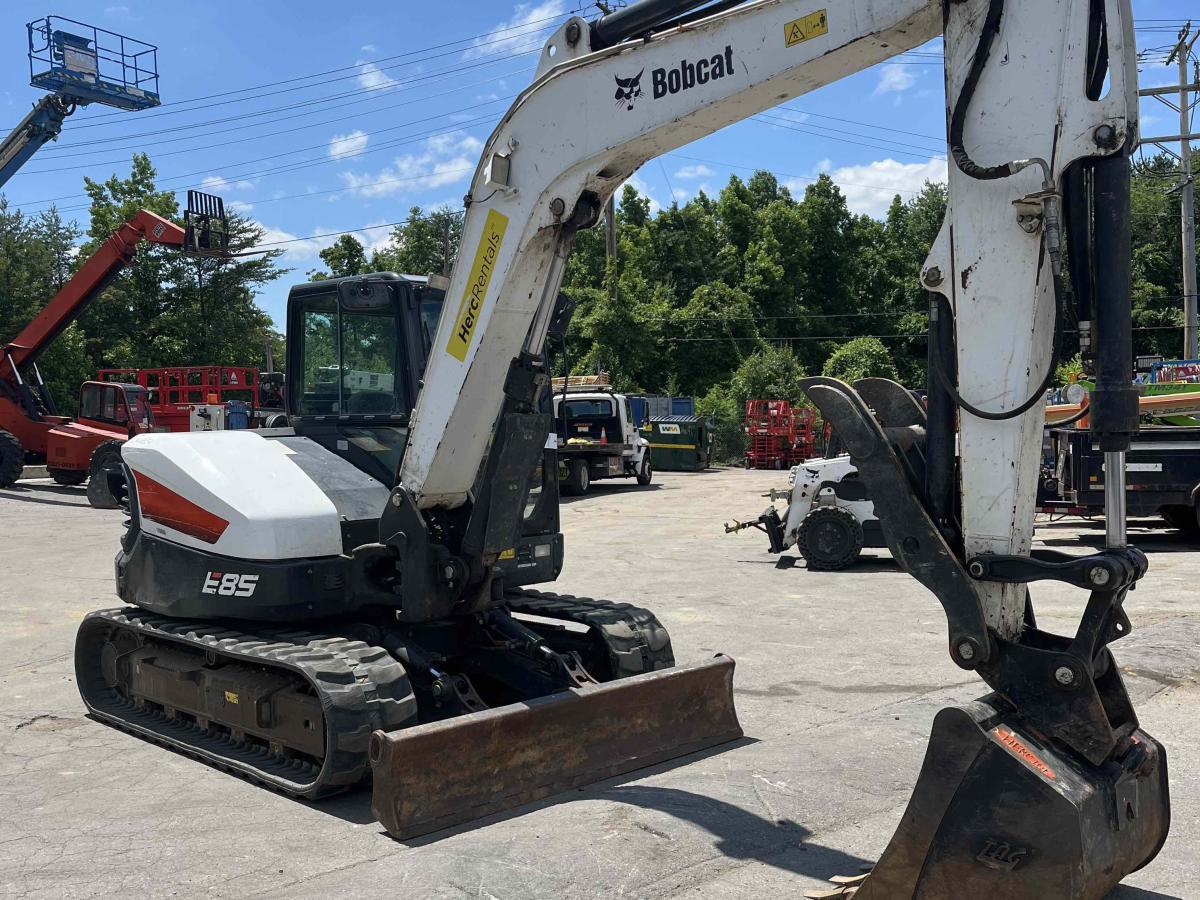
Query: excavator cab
x=357, y=349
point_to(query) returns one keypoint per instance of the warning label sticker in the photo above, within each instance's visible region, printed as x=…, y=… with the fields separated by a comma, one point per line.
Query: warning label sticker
x=477, y=285
x=805, y=28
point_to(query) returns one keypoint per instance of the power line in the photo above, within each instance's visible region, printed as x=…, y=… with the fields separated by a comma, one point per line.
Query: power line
x=329, y=98
x=322, y=145
x=763, y=119
x=163, y=110
x=223, y=171
x=143, y=146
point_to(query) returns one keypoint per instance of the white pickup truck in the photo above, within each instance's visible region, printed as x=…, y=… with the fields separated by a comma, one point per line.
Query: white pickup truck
x=596, y=439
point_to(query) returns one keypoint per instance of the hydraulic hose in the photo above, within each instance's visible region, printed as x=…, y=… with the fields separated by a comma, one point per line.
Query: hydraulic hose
x=1050, y=235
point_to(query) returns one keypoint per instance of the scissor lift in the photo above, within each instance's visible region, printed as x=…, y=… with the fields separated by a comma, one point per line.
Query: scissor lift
x=78, y=64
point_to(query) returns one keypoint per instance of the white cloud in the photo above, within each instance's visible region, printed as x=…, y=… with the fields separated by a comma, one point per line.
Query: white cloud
x=519, y=31
x=344, y=146
x=894, y=78
x=374, y=236
x=296, y=248
x=697, y=171
x=369, y=48
x=444, y=159
x=644, y=189
x=373, y=78
x=870, y=188
x=240, y=206
x=218, y=183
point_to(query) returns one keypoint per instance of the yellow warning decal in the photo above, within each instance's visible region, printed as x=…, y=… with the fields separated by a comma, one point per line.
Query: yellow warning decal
x=508, y=554
x=231, y=697
x=477, y=285
x=804, y=28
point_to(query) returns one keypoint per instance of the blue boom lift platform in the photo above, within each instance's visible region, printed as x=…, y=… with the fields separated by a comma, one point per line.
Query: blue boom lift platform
x=78, y=64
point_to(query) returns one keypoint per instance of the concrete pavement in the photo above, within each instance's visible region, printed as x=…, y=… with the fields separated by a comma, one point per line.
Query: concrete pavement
x=839, y=676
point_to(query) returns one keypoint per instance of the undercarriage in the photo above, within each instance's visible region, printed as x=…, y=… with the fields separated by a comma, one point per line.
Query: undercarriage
x=295, y=710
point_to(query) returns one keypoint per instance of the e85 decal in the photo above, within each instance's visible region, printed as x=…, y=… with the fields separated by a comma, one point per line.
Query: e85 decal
x=229, y=584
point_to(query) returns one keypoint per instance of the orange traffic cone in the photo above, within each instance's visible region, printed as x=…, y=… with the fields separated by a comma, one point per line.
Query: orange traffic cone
x=603, y=435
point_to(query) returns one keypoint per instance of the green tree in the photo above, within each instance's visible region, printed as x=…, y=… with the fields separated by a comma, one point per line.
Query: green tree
x=345, y=257
x=424, y=244
x=863, y=357
x=771, y=373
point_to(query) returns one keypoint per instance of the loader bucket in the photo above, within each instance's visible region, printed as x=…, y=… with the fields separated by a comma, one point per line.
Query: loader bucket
x=444, y=773
x=1001, y=811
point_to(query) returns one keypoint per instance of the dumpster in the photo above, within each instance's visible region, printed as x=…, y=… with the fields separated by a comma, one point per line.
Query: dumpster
x=679, y=443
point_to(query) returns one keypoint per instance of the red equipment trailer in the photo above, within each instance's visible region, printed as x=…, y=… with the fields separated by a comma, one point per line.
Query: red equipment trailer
x=778, y=435
x=31, y=430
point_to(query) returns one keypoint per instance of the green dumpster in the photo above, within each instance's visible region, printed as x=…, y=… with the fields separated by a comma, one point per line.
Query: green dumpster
x=679, y=443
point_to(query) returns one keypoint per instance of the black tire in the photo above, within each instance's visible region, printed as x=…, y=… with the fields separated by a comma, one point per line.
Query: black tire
x=646, y=473
x=830, y=538
x=276, y=420
x=106, y=458
x=578, y=477
x=1185, y=518
x=12, y=459
x=67, y=477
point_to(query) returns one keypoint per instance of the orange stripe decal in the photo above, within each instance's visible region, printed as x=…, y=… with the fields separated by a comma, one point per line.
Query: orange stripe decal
x=159, y=503
x=1021, y=751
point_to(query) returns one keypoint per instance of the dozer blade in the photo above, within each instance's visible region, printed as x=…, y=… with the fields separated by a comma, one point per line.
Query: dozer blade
x=444, y=773
x=999, y=811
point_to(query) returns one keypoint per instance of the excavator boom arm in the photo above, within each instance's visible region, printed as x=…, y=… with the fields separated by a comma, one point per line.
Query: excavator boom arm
x=585, y=124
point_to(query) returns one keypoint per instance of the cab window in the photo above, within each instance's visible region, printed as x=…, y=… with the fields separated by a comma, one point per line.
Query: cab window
x=586, y=409
x=89, y=402
x=350, y=360
x=108, y=406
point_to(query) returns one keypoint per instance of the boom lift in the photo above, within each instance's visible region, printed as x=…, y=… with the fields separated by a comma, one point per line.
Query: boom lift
x=30, y=426
x=81, y=66
x=1044, y=788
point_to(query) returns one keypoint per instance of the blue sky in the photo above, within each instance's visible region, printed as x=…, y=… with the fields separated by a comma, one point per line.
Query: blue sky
x=384, y=108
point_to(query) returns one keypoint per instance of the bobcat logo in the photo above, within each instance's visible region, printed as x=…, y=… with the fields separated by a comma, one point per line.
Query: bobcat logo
x=628, y=89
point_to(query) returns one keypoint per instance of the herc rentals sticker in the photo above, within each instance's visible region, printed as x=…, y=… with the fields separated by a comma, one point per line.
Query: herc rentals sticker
x=477, y=285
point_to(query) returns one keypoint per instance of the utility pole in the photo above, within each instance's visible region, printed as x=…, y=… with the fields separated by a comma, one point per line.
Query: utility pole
x=1189, y=84
x=610, y=230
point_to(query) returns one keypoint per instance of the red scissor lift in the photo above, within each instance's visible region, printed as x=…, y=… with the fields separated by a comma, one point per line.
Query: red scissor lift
x=173, y=391
x=778, y=435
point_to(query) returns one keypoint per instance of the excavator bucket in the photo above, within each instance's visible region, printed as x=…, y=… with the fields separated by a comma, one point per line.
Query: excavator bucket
x=444, y=773
x=1000, y=811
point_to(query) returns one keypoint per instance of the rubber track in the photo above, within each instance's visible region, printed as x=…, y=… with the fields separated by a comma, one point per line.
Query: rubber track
x=361, y=688
x=637, y=642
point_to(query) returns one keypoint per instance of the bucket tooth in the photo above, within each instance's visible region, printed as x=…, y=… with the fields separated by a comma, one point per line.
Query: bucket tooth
x=440, y=774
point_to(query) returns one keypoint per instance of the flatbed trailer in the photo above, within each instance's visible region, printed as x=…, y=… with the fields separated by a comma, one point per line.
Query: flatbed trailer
x=1162, y=474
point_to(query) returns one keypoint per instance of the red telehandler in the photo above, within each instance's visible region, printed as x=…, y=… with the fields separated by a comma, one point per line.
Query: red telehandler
x=31, y=430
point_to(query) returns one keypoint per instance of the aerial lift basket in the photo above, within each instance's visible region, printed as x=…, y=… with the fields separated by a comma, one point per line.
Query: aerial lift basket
x=441, y=774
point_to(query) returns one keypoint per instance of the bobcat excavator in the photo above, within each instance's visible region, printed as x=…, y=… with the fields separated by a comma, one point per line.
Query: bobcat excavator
x=349, y=592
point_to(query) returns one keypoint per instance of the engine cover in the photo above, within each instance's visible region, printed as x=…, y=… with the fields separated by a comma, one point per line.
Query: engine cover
x=240, y=495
